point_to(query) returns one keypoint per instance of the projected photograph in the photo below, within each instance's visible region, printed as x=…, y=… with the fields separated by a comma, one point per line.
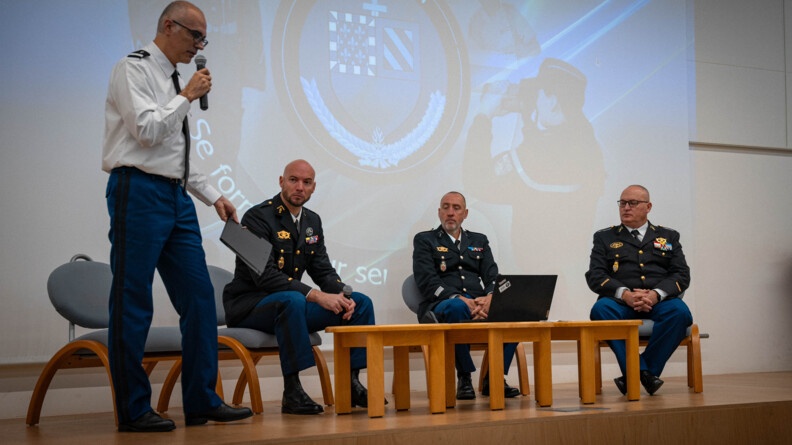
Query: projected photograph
x=540, y=112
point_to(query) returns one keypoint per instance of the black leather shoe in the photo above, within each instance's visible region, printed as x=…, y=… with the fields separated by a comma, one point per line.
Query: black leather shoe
x=650, y=382
x=621, y=383
x=465, y=388
x=295, y=400
x=508, y=391
x=222, y=413
x=150, y=422
x=359, y=392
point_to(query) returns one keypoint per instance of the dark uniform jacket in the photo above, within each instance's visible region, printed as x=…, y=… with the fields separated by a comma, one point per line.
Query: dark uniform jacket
x=291, y=256
x=619, y=260
x=442, y=270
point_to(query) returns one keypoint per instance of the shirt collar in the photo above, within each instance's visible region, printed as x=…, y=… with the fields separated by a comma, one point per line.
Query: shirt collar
x=161, y=59
x=641, y=230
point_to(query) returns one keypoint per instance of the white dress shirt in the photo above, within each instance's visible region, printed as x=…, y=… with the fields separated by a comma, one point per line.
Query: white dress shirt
x=143, y=122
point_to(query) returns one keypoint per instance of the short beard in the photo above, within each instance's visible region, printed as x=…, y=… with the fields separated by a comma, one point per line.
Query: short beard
x=294, y=204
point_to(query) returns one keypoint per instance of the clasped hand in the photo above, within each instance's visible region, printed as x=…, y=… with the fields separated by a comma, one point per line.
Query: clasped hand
x=479, y=307
x=335, y=303
x=641, y=300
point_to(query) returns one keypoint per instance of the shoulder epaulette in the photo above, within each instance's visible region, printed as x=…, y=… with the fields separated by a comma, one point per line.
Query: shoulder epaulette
x=666, y=228
x=606, y=228
x=139, y=54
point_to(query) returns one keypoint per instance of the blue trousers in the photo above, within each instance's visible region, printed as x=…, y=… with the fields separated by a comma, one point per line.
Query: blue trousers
x=671, y=319
x=291, y=318
x=153, y=225
x=455, y=310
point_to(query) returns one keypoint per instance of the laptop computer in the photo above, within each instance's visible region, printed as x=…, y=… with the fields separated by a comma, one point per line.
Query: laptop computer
x=522, y=298
x=254, y=251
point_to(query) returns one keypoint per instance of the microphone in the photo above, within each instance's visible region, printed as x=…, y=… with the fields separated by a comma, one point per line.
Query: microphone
x=347, y=291
x=200, y=63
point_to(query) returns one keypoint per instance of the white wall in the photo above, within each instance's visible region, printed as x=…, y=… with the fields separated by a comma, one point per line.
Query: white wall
x=742, y=174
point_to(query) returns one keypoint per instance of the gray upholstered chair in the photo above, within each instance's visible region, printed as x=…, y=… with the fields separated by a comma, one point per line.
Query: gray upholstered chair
x=248, y=346
x=413, y=298
x=80, y=291
x=692, y=341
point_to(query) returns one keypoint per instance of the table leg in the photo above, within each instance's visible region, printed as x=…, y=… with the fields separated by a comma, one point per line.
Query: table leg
x=633, y=364
x=586, y=366
x=437, y=372
x=495, y=346
x=401, y=377
x=375, y=359
x=543, y=370
x=342, y=371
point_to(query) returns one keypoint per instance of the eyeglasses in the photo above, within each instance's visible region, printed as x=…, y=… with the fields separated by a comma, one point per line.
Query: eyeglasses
x=631, y=203
x=196, y=35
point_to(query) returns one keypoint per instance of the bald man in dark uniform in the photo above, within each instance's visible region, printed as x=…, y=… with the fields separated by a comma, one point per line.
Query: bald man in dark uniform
x=638, y=270
x=279, y=303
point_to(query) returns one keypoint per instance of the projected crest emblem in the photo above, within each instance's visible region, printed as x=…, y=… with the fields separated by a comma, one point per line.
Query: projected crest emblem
x=379, y=86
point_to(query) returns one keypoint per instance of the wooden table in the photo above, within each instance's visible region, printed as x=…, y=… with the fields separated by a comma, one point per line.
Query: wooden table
x=374, y=339
x=588, y=335
x=495, y=335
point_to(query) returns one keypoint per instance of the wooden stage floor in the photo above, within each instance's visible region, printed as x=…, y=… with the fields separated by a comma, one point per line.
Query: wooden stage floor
x=738, y=408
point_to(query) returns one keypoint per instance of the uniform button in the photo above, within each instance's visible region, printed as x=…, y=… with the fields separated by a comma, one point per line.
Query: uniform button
x=461, y=257
x=641, y=265
x=464, y=290
x=640, y=252
x=298, y=251
x=460, y=267
x=643, y=278
x=297, y=269
x=463, y=277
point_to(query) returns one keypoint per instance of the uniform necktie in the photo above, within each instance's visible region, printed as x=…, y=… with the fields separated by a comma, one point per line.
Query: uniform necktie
x=185, y=131
x=457, y=242
x=297, y=223
x=636, y=234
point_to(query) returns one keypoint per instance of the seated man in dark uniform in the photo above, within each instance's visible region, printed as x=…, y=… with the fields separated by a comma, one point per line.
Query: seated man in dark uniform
x=639, y=272
x=277, y=302
x=456, y=273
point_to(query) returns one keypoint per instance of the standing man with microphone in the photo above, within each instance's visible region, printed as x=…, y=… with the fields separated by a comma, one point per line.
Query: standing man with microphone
x=277, y=302
x=153, y=223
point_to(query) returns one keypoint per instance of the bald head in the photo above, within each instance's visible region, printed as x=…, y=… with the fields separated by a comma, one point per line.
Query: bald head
x=297, y=184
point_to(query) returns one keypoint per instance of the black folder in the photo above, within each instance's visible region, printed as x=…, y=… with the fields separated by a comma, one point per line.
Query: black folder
x=254, y=251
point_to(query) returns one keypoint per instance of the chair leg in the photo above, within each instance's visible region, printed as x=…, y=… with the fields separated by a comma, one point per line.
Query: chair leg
x=248, y=370
x=324, y=376
x=694, y=361
x=55, y=363
x=149, y=367
x=522, y=370
x=241, y=384
x=168, y=385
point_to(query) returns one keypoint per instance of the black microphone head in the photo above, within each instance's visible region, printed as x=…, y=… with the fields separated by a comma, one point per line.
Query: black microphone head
x=347, y=290
x=200, y=62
